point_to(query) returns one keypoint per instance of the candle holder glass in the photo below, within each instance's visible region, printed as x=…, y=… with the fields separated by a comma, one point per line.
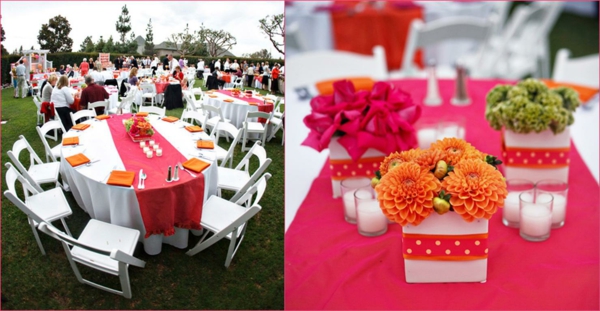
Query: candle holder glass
x=451, y=127
x=370, y=219
x=559, y=190
x=348, y=186
x=511, y=209
x=536, y=217
x=427, y=131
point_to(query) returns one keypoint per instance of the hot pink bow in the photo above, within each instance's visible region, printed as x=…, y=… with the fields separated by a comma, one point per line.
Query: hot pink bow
x=381, y=119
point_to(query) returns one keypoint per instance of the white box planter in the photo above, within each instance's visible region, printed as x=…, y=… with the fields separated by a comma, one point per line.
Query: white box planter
x=536, y=156
x=445, y=249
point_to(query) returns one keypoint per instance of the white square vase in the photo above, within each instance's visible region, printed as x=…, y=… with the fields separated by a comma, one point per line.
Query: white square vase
x=342, y=166
x=445, y=249
x=536, y=156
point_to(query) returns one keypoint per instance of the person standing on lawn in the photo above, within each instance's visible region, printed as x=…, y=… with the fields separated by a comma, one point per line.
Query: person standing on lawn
x=21, y=79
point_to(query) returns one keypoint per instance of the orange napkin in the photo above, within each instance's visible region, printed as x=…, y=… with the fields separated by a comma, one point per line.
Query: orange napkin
x=78, y=159
x=205, y=144
x=102, y=117
x=142, y=114
x=360, y=84
x=170, y=119
x=195, y=165
x=585, y=92
x=121, y=178
x=228, y=100
x=67, y=141
x=194, y=128
x=269, y=102
x=212, y=96
x=80, y=126
x=252, y=104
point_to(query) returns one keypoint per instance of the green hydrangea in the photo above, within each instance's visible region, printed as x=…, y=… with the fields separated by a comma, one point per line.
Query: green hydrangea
x=530, y=106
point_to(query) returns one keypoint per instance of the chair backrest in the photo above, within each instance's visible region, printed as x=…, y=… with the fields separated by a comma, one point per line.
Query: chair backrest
x=148, y=88
x=193, y=114
x=422, y=35
x=101, y=103
x=264, y=162
x=47, y=127
x=231, y=130
x=258, y=188
x=190, y=100
x=12, y=175
x=38, y=102
x=309, y=67
x=82, y=114
x=213, y=109
x=582, y=70
x=153, y=110
x=259, y=114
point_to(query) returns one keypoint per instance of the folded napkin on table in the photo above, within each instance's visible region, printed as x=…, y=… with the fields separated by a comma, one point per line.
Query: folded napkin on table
x=585, y=92
x=67, y=141
x=102, y=117
x=228, y=100
x=195, y=165
x=170, y=119
x=121, y=178
x=212, y=96
x=360, y=84
x=80, y=126
x=252, y=104
x=269, y=102
x=78, y=159
x=194, y=128
x=142, y=114
x=205, y=144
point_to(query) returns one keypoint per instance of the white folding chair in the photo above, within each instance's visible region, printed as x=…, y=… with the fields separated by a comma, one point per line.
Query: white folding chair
x=239, y=179
x=148, y=93
x=52, y=153
x=102, y=246
x=210, y=122
x=126, y=105
x=582, y=70
x=205, y=76
x=238, y=83
x=422, y=35
x=154, y=110
x=82, y=114
x=192, y=115
x=254, y=127
x=276, y=125
x=102, y=103
x=49, y=205
x=277, y=111
x=227, y=219
x=38, y=105
x=38, y=172
x=226, y=155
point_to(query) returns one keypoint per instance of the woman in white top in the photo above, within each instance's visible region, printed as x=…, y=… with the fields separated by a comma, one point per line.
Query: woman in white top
x=265, y=78
x=62, y=99
x=48, y=88
x=226, y=65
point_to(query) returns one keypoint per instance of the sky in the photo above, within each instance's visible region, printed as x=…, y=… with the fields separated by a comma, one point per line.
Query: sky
x=22, y=20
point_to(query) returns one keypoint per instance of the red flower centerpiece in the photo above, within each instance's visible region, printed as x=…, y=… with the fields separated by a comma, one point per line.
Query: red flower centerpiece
x=138, y=128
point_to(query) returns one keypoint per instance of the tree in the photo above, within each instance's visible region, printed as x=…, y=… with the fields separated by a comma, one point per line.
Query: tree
x=149, y=44
x=86, y=42
x=272, y=26
x=217, y=41
x=185, y=42
x=123, y=24
x=109, y=47
x=54, y=36
x=262, y=54
x=100, y=45
x=4, y=51
x=132, y=45
x=21, y=50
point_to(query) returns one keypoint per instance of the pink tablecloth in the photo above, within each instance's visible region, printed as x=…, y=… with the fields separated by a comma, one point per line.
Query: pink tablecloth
x=163, y=205
x=328, y=265
x=161, y=86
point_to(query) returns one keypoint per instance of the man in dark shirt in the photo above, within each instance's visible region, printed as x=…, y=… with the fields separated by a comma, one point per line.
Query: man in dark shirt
x=166, y=62
x=134, y=62
x=92, y=93
x=118, y=63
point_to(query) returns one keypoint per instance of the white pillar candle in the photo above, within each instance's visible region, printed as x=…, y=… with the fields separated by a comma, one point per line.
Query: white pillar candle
x=452, y=131
x=146, y=149
x=155, y=146
x=559, y=206
x=370, y=218
x=151, y=142
x=510, y=211
x=425, y=137
x=536, y=220
x=349, y=206
x=149, y=154
x=158, y=152
x=142, y=144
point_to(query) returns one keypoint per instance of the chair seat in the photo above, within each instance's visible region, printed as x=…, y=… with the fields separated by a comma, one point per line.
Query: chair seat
x=45, y=173
x=49, y=205
x=218, y=213
x=212, y=121
x=220, y=152
x=106, y=237
x=276, y=121
x=56, y=151
x=256, y=127
x=148, y=95
x=232, y=179
x=278, y=114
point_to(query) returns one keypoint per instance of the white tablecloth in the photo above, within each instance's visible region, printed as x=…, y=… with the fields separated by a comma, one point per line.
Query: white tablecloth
x=235, y=111
x=119, y=205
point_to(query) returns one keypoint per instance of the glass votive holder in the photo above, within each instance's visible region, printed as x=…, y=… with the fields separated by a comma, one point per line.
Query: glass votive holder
x=151, y=143
x=536, y=217
x=348, y=186
x=159, y=152
x=142, y=144
x=149, y=154
x=453, y=126
x=146, y=149
x=426, y=132
x=155, y=147
x=510, y=211
x=559, y=190
x=370, y=219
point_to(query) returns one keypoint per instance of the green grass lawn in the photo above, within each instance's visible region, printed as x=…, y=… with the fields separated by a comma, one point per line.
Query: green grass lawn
x=170, y=280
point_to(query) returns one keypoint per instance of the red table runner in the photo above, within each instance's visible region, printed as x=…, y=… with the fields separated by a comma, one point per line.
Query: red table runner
x=328, y=265
x=163, y=205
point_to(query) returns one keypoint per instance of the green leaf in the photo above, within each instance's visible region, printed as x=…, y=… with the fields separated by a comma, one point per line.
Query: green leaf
x=378, y=174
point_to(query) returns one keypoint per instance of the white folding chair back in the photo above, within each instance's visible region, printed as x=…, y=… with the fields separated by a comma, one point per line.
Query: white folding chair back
x=154, y=110
x=102, y=103
x=277, y=111
x=148, y=92
x=238, y=83
x=191, y=115
x=276, y=125
x=52, y=153
x=38, y=172
x=82, y=114
x=246, y=198
x=582, y=70
x=239, y=179
x=205, y=76
x=102, y=246
x=209, y=110
x=39, y=206
x=254, y=127
x=125, y=105
x=226, y=155
x=38, y=104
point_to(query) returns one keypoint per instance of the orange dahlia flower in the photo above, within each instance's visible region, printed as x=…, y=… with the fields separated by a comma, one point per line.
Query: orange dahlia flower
x=430, y=157
x=406, y=193
x=477, y=189
x=404, y=156
x=457, y=150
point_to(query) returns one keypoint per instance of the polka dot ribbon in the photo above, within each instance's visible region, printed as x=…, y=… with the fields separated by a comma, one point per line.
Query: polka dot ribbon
x=535, y=157
x=445, y=247
x=344, y=168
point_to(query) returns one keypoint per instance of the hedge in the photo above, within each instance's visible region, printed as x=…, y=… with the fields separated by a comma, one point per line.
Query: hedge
x=76, y=58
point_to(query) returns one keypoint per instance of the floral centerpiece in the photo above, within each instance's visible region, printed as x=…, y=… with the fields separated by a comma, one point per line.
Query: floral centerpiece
x=535, y=122
x=360, y=128
x=138, y=128
x=443, y=197
x=236, y=92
